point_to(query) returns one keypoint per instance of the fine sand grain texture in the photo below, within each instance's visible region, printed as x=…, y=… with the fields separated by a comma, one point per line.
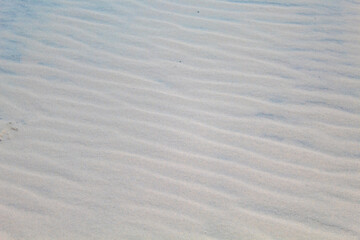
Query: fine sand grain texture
x=180, y=120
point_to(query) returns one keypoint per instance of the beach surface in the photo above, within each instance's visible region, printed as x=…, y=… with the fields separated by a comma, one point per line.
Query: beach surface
x=179, y=120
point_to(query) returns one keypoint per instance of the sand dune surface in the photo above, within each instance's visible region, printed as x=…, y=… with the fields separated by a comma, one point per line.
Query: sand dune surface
x=179, y=119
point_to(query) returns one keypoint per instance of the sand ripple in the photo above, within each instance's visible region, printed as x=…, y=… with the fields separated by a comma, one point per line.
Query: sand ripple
x=216, y=119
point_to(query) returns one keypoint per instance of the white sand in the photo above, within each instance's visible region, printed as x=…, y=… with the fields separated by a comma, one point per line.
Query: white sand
x=179, y=119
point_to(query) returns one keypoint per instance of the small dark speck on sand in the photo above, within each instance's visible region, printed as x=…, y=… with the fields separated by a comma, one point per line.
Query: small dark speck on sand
x=179, y=61
x=198, y=11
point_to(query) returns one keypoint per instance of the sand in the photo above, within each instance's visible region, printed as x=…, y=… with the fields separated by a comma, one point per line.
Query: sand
x=179, y=119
